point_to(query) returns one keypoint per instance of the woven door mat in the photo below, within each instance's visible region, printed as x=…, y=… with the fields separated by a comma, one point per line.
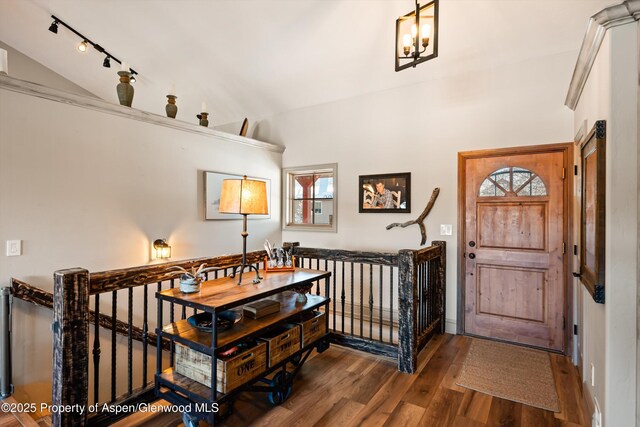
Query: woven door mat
x=510, y=372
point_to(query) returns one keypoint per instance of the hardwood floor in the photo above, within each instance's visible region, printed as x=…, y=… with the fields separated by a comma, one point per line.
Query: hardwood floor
x=15, y=419
x=347, y=388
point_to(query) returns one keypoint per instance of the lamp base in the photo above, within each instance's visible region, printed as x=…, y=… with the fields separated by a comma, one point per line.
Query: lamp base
x=239, y=270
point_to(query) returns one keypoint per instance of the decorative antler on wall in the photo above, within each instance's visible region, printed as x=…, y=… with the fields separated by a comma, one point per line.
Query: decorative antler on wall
x=420, y=219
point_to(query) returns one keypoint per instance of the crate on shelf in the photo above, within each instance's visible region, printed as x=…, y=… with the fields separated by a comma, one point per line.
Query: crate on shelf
x=232, y=372
x=313, y=326
x=282, y=342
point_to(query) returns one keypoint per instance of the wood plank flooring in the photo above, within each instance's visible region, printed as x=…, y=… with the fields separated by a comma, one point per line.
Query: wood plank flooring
x=15, y=419
x=342, y=387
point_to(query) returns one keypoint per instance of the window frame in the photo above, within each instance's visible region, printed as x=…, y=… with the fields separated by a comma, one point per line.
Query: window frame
x=288, y=193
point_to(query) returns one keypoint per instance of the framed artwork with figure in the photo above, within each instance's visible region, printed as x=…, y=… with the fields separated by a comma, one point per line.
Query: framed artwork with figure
x=385, y=193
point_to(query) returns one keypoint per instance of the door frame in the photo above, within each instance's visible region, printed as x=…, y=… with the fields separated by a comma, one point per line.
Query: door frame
x=567, y=150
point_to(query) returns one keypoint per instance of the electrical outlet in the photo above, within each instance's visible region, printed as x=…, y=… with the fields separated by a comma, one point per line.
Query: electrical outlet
x=593, y=376
x=14, y=247
x=445, y=229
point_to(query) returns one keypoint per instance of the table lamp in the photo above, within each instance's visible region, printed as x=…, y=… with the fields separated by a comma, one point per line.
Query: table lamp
x=245, y=197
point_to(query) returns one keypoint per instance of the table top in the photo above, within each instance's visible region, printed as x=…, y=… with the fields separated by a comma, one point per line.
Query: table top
x=224, y=293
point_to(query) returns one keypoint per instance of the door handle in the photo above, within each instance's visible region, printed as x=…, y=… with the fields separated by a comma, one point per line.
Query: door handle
x=472, y=244
x=472, y=255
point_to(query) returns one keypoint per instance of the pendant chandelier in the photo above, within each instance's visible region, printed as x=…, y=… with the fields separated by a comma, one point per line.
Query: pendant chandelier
x=417, y=36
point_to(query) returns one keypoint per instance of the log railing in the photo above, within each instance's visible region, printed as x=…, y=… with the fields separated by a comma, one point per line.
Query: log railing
x=383, y=303
x=422, y=290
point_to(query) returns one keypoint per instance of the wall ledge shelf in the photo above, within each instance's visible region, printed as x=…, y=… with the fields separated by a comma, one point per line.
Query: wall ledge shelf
x=612, y=16
x=97, y=104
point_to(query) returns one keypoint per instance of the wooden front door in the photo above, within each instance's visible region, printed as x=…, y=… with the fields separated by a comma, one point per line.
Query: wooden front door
x=513, y=255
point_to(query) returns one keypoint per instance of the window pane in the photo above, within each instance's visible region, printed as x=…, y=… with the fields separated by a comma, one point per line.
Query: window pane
x=323, y=212
x=302, y=186
x=520, y=177
x=302, y=212
x=324, y=186
x=487, y=188
x=537, y=187
x=311, y=197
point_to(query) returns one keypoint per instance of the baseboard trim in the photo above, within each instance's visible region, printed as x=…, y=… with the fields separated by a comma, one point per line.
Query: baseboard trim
x=451, y=326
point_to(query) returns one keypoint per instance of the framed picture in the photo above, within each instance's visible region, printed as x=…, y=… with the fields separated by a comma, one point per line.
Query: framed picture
x=212, y=188
x=592, y=215
x=385, y=193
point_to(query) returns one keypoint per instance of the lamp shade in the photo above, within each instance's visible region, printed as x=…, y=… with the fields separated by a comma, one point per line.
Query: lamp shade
x=244, y=196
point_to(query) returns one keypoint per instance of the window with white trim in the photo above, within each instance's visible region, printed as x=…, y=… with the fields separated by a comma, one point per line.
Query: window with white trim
x=310, y=198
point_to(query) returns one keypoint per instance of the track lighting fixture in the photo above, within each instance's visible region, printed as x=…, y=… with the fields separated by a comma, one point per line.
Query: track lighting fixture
x=83, y=46
x=54, y=27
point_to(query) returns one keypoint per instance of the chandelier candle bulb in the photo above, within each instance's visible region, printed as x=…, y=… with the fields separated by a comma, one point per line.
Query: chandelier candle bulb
x=4, y=65
x=124, y=67
x=172, y=90
x=204, y=107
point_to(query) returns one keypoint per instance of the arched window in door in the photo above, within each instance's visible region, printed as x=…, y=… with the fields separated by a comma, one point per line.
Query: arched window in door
x=512, y=181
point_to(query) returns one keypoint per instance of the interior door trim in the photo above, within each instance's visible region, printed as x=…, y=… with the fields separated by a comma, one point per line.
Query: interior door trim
x=567, y=151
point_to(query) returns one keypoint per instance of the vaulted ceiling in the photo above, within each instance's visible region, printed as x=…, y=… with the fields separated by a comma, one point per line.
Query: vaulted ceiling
x=256, y=58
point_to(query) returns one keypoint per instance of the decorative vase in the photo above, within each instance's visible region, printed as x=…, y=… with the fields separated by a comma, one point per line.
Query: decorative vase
x=203, y=119
x=124, y=89
x=189, y=285
x=301, y=298
x=171, y=108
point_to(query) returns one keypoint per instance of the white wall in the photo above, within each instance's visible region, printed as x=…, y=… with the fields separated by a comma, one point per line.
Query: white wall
x=420, y=129
x=83, y=188
x=609, y=330
x=25, y=68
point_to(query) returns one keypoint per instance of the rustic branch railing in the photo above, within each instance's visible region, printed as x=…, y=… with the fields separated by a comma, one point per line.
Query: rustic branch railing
x=422, y=290
x=111, y=283
x=383, y=303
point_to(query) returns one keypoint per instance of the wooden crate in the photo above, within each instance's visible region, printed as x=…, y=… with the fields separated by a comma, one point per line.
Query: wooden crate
x=282, y=342
x=231, y=372
x=313, y=328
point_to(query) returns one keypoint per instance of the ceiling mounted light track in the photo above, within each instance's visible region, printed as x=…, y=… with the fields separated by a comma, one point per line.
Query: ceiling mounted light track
x=83, y=46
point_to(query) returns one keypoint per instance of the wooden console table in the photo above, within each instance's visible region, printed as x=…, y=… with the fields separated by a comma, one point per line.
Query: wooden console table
x=207, y=403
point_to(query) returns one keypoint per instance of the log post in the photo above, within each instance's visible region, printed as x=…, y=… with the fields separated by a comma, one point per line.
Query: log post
x=408, y=307
x=71, y=346
x=442, y=282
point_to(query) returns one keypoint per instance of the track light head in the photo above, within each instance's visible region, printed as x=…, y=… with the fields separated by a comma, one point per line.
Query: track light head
x=133, y=78
x=107, y=62
x=83, y=46
x=54, y=27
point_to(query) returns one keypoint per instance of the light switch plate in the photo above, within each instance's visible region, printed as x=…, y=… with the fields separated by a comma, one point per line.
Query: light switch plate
x=14, y=247
x=446, y=229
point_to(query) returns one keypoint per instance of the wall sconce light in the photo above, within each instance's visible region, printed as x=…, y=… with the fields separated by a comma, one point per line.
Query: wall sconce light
x=245, y=197
x=83, y=46
x=162, y=249
x=417, y=36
